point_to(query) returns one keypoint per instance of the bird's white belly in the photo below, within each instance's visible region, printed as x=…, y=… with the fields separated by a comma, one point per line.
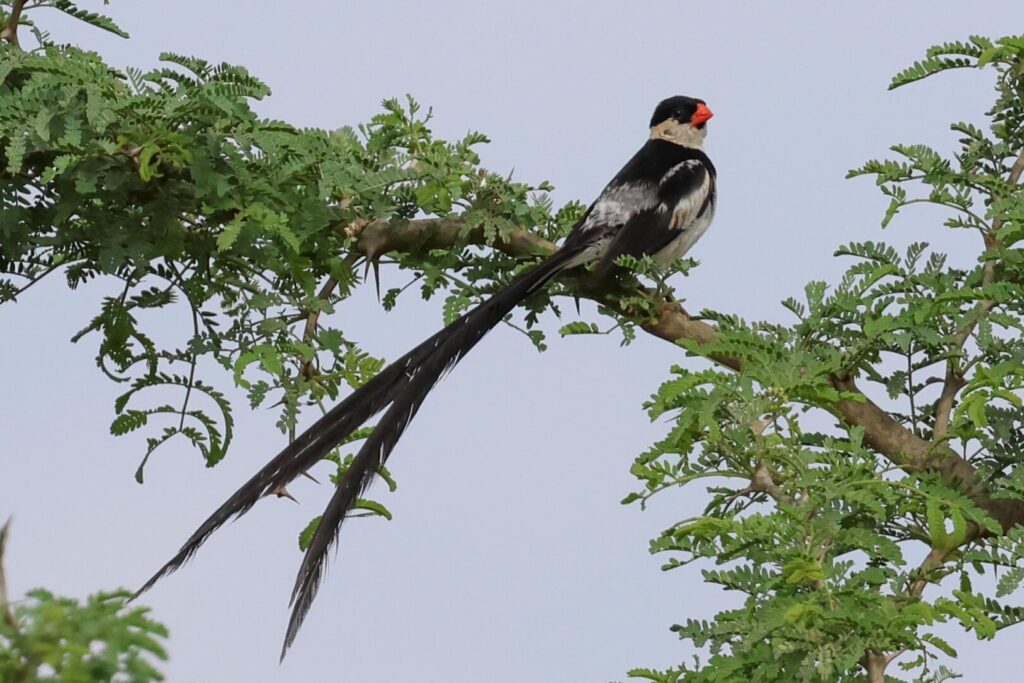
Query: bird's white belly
x=686, y=239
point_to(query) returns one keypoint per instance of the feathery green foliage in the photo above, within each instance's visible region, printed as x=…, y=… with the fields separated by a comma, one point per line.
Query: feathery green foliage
x=168, y=187
x=100, y=640
x=48, y=638
x=840, y=552
x=862, y=462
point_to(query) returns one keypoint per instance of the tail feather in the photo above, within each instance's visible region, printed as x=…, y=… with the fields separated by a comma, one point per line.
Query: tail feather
x=447, y=348
x=404, y=385
x=297, y=457
x=364, y=467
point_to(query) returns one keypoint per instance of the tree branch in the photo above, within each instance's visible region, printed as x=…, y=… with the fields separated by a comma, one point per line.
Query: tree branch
x=10, y=31
x=932, y=561
x=669, y=321
x=1015, y=173
x=5, y=603
x=380, y=237
x=951, y=385
x=764, y=482
x=875, y=664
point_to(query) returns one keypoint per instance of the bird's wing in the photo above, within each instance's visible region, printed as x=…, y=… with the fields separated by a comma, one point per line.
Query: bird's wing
x=673, y=205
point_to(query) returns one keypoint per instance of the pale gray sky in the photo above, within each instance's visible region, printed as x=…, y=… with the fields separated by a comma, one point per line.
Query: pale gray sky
x=510, y=558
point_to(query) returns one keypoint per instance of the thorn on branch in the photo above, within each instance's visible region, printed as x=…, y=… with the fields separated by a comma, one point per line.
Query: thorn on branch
x=282, y=492
x=373, y=261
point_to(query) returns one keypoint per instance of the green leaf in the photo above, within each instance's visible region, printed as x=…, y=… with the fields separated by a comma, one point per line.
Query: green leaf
x=374, y=507
x=936, y=524
x=959, y=535
x=578, y=327
x=148, y=161
x=227, y=237
x=929, y=67
x=939, y=644
x=976, y=411
x=128, y=422
x=802, y=570
x=306, y=535
x=91, y=18
x=454, y=306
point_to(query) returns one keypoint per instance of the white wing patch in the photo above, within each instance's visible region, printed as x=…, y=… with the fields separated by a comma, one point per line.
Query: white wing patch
x=685, y=215
x=618, y=204
x=686, y=209
x=613, y=208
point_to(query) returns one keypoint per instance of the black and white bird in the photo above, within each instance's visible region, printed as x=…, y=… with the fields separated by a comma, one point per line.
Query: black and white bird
x=658, y=205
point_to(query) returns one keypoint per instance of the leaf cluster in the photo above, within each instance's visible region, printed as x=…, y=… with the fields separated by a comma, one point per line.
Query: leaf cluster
x=100, y=640
x=169, y=191
x=828, y=540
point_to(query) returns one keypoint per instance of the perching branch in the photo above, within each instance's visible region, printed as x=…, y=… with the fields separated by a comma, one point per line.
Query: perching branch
x=380, y=237
x=669, y=321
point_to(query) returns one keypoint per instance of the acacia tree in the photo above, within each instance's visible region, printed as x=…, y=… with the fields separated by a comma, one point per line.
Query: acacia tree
x=858, y=456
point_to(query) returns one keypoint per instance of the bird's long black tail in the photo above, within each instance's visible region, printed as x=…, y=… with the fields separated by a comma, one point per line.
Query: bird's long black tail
x=403, y=385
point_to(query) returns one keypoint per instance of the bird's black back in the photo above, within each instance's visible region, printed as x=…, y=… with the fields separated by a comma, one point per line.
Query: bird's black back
x=654, y=160
x=644, y=170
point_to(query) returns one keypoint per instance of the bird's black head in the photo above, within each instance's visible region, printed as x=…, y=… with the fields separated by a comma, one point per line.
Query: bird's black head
x=682, y=109
x=681, y=121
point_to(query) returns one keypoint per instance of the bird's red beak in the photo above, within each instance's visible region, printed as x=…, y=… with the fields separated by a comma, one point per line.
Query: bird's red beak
x=701, y=115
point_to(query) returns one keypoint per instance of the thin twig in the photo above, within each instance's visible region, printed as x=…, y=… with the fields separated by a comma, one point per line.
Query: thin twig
x=33, y=281
x=306, y=368
x=910, y=387
x=954, y=380
x=944, y=406
x=191, y=370
x=979, y=222
x=313, y=317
